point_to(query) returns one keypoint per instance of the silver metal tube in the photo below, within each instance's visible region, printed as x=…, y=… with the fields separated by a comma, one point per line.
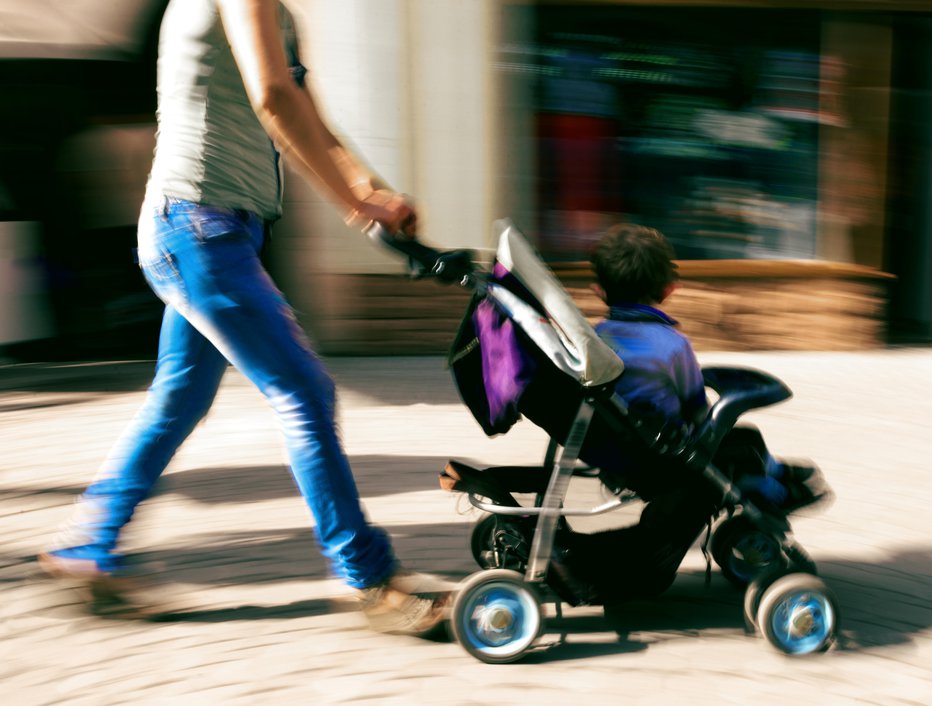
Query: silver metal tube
x=535, y=511
x=550, y=510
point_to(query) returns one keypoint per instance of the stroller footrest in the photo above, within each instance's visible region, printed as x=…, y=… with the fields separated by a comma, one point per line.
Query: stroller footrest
x=521, y=479
x=458, y=477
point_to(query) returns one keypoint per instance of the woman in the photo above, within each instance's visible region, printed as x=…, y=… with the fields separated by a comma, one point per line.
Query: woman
x=229, y=104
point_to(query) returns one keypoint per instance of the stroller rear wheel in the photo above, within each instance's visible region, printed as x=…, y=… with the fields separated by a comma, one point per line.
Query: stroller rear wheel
x=496, y=616
x=499, y=542
x=743, y=551
x=481, y=542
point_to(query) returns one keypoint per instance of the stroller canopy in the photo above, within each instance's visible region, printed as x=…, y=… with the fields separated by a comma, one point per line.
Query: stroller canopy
x=565, y=337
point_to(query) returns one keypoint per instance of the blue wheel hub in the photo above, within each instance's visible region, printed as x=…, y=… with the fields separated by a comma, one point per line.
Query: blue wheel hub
x=501, y=619
x=803, y=622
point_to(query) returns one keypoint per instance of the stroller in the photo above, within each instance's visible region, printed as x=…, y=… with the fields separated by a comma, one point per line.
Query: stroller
x=525, y=350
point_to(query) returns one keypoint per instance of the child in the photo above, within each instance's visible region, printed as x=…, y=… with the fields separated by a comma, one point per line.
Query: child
x=636, y=274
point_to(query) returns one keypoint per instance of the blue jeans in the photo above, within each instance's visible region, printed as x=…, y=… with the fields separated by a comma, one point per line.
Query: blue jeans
x=221, y=305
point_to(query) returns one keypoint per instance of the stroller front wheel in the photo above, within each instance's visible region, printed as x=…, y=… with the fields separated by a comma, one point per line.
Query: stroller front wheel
x=798, y=614
x=496, y=616
x=755, y=591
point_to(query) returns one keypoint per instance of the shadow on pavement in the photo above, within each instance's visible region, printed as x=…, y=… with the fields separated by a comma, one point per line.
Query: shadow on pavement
x=881, y=604
x=109, y=376
x=376, y=476
x=11, y=492
x=297, y=609
x=389, y=380
x=274, y=556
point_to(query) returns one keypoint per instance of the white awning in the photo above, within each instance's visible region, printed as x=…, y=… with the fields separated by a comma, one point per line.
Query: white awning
x=75, y=29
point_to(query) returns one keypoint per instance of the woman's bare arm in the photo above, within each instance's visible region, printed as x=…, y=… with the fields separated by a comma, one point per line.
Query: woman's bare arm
x=290, y=115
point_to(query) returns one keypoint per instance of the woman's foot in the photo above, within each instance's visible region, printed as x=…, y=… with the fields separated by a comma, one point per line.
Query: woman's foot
x=103, y=593
x=395, y=606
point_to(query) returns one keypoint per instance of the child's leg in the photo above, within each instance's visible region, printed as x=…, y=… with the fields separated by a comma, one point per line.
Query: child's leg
x=744, y=456
x=642, y=560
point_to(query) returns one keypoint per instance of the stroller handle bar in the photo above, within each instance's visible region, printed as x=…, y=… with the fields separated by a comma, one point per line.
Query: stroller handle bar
x=449, y=266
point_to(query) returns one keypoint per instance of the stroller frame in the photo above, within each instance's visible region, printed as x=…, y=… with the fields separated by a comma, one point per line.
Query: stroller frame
x=551, y=507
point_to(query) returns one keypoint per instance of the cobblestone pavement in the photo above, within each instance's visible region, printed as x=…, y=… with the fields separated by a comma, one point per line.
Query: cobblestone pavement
x=250, y=615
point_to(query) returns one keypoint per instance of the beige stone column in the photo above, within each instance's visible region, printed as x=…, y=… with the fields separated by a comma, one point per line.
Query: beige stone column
x=408, y=82
x=450, y=50
x=355, y=54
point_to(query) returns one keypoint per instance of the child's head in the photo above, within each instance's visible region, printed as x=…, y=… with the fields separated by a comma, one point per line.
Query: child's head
x=634, y=264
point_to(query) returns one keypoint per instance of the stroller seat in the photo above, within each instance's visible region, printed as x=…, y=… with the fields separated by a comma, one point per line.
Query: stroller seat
x=738, y=389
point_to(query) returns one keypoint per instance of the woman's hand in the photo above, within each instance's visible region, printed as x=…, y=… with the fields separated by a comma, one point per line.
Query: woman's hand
x=393, y=210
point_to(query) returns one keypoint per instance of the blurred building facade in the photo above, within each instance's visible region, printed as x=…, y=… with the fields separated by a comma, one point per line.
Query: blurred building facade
x=77, y=81
x=784, y=147
x=779, y=145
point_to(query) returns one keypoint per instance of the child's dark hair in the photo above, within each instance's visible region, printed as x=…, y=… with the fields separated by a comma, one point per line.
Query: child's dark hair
x=634, y=264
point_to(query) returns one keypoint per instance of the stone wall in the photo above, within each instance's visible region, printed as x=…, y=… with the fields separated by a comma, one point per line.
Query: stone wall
x=767, y=305
x=724, y=307
x=385, y=315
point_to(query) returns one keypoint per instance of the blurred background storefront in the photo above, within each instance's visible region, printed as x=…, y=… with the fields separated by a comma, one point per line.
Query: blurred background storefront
x=758, y=136
x=781, y=146
x=784, y=147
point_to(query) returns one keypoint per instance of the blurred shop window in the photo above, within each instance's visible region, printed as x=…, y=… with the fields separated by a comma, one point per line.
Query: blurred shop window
x=705, y=124
x=576, y=132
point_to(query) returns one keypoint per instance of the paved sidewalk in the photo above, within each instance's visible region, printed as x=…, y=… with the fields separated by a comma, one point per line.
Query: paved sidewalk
x=252, y=616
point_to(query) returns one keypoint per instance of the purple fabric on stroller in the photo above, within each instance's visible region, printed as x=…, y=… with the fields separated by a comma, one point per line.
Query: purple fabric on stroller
x=507, y=369
x=490, y=359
